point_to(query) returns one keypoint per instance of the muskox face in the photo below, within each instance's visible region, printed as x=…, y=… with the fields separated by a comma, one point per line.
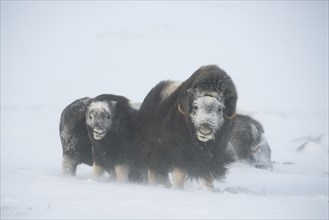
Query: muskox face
x=207, y=116
x=99, y=118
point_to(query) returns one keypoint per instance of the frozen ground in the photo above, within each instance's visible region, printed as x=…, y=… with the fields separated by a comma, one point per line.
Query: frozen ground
x=55, y=52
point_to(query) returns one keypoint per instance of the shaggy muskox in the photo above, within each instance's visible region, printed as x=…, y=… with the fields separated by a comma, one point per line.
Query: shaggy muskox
x=248, y=143
x=97, y=132
x=73, y=132
x=184, y=128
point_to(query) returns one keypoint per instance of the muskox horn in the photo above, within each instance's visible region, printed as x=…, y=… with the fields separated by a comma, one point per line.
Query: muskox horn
x=180, y=110
x=230, y=117
x=255, y=149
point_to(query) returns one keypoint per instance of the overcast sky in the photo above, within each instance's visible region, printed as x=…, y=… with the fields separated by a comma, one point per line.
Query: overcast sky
x=53, y=52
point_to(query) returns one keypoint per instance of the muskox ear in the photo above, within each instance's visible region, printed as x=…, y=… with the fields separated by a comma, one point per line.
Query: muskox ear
x=230, y=106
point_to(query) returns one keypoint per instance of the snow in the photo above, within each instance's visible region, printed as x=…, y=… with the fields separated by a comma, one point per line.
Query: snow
x=54, y=52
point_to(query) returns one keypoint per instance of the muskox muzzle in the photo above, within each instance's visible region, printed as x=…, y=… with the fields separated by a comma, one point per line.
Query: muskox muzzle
x=205, y=132
x=207, y=117
x=99, y=133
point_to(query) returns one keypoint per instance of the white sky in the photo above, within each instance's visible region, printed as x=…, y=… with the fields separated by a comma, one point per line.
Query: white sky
x=53, y=52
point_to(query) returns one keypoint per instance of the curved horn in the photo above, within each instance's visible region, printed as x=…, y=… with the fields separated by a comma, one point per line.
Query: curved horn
x=255, y=149
x=230, y=117
x=180, y=110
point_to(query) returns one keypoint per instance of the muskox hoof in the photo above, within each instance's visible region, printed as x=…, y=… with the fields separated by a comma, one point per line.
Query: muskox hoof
x=208, y=184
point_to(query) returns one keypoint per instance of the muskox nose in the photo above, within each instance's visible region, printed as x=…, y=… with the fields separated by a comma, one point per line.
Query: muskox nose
x=205, y=129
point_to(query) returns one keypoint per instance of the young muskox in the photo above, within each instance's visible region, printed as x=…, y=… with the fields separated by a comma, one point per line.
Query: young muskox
x=248, y=143
x=184, y=128
x=97, y=132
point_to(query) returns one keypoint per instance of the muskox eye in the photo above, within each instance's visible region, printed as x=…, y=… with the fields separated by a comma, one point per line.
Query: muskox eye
x=195, y=107
x=90, y=117
x=108, y=116
x=219, y=110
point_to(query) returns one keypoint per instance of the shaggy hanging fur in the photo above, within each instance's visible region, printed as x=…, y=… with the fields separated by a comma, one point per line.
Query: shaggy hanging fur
x=165, y=136
x=78, y=143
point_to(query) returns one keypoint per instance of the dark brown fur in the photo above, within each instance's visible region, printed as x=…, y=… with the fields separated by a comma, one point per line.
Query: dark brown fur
x=164, y=135
x=79, y=146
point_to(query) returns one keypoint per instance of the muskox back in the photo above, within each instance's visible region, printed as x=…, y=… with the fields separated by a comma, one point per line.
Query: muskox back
x=155, y=108
x=248, y=142
x=173, y=135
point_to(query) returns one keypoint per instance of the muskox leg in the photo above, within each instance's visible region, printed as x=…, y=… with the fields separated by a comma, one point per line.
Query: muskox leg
x=98, y=170
x=178, y=178
x=208, y=184
x=152, y=177
x=71, y=156
x=121, y=173
x=155, y=178
x=69, y=165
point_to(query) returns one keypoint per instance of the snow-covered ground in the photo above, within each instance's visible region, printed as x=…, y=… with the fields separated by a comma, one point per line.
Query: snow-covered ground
x=55, y=52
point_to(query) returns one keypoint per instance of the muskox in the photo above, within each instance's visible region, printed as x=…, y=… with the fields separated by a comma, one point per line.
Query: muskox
x=76, y=146
x=184, y=128
x=249, y=144
x=96, y=132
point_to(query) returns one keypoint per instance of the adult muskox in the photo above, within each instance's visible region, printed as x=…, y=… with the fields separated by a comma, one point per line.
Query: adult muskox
x=184, y=128
x=97, y=132
x=248, y=142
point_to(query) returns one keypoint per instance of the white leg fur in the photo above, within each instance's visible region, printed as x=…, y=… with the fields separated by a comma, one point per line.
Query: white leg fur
x=152, y=177
x=208, y=184
x=178, y=178
x=98, y=170
x=122, y=173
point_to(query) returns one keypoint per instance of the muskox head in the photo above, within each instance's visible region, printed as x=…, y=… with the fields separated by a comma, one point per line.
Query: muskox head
x=99, y=118
x=209, y=102
x=207, y=114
